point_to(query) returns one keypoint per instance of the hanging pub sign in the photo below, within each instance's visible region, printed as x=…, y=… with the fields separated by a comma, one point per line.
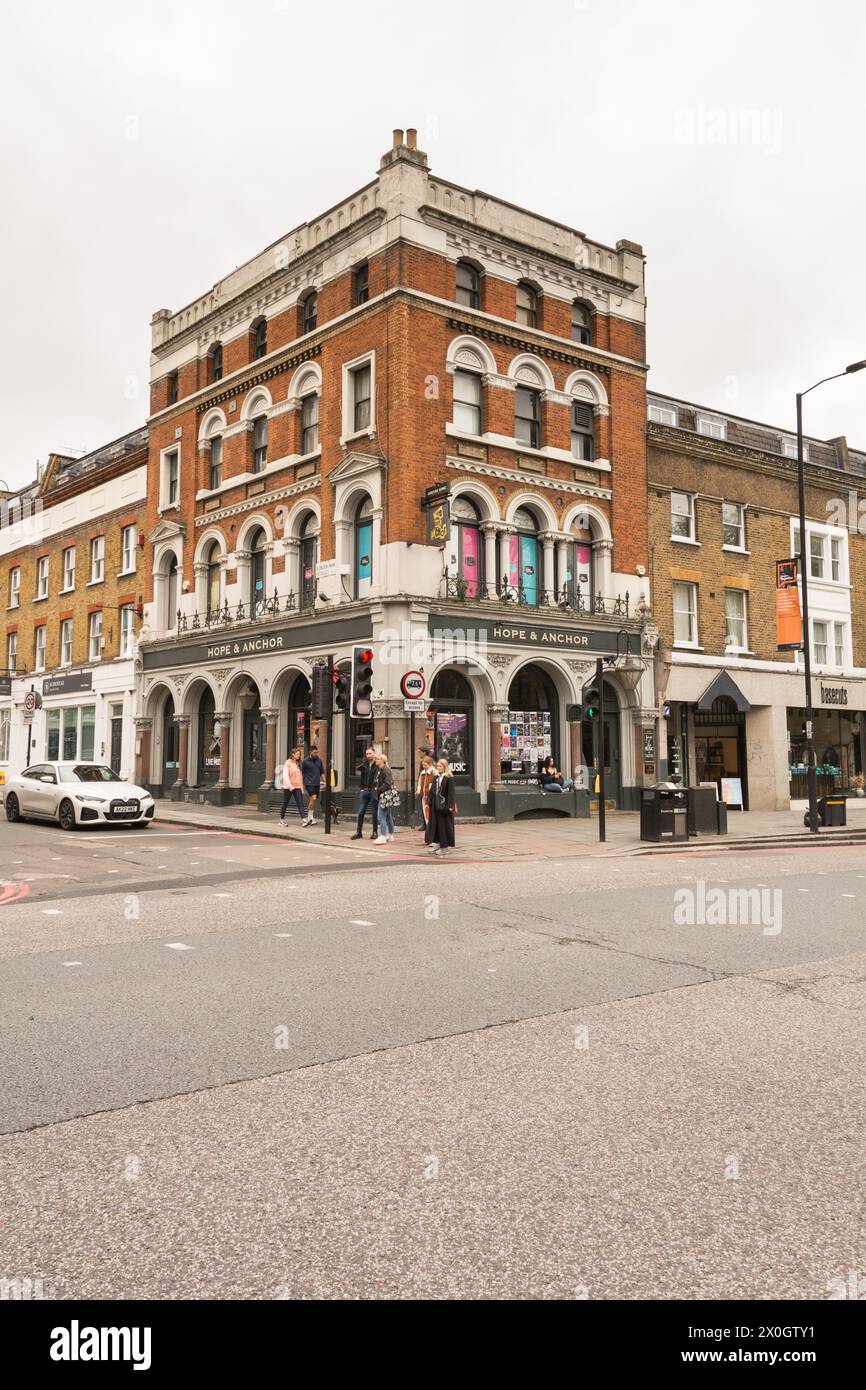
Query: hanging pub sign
x=789, y=624
x=436, y=505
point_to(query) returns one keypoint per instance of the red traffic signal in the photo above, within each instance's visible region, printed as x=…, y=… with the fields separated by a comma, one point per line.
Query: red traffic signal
x=361, y=703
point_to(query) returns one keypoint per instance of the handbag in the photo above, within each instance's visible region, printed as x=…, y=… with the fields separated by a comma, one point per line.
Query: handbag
x=390, y=797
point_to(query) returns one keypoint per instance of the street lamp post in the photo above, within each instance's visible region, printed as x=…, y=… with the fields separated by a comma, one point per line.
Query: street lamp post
x=804, y=584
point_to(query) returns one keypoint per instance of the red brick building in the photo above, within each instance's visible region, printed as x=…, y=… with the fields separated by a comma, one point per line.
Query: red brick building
x=418, y=420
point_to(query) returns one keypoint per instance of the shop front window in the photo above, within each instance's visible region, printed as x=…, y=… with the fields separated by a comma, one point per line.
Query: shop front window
x=450, y=722
x=838, y=750
x=529, y=735
x=52, y=735
x=300, y=703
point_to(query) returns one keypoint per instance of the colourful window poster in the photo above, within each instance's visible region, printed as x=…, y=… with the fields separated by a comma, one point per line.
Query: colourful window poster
x=529, y=569
x=469, y=559
x=364, y=557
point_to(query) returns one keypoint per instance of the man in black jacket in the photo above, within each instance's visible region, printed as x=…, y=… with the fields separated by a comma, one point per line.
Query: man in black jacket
x=313, y=774
x=368, y=776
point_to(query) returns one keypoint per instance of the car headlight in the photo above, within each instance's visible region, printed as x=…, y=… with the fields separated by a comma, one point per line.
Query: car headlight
x=80, y=797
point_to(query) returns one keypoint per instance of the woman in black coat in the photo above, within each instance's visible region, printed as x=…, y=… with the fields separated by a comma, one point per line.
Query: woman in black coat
x=440, y=827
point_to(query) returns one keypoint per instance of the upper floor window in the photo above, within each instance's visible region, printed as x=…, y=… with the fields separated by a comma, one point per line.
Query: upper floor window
x=467, y=402
x=310, y=423
x=212, y=596
x=215, y=462
x=14, y=587
x=361, y=398
x=260, y=443
x=835, y=559
x=581, y=323
x=713, y=429
x=97, y=559
x=736, y=639
x=69, y=568
x=307, y=552
x=527, y=417
x=216, y=362
x=685, y=602
x=42, y=577
x=173, y=388
x=468, y=285
x=260, y=339
x=311, y=312
x=527, y=305
x=39, y=648
x=66, y=642
x=170, y=478
x=94, y=636
x=682, y=516
x=258, y=568
x=734, y=525
x=127, y=630
x=662, y=415
x=361, y=283
x=582, y=431
x=466, y=521
x=363, y=566
x=12, y=652
x=789, y=449
x=128, y=538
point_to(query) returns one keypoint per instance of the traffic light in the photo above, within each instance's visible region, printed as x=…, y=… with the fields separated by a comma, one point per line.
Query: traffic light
x=591, y=705
x=361, y=700
x=573, y=714
x=323, y=689
x=342, y=685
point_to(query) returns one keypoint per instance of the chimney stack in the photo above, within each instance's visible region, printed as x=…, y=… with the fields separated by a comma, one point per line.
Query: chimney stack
x=398, y=139
x=412, y=138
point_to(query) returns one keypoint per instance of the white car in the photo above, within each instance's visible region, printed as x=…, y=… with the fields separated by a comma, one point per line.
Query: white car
x=76, y=793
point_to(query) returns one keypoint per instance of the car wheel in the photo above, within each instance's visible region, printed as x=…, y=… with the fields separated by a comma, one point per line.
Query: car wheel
x=67, y=815
x=13, y=810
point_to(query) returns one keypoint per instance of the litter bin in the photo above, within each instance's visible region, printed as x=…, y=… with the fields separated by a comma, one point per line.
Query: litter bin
x=664, y=813
x=702, y=810
x=832, y=811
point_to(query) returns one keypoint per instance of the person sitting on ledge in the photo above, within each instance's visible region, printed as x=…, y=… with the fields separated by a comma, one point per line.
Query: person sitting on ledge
x=550, y=779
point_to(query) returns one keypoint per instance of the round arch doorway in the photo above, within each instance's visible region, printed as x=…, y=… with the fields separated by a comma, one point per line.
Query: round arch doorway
x=254, y=740
x=168, y=774
x=531, y=732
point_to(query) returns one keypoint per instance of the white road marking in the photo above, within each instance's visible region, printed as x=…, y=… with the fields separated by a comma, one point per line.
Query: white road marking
x=849, y=895
x=72, y=962
x=52, y=912
x=178, y=946
x=359, y=922
x=222, y=895
x=804, y=890
x=112, y=871
x=283, y=933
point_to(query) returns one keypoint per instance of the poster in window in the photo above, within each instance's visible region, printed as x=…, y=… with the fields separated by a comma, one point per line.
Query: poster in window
x=452, y=740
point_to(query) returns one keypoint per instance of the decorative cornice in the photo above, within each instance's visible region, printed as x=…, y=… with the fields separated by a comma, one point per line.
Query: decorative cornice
x=256, y=378
x=264, y=499
x=482, y=330
x=489, y=470
x=723, y=451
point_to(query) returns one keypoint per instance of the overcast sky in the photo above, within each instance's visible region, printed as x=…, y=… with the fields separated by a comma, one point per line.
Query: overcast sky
x=150, y=147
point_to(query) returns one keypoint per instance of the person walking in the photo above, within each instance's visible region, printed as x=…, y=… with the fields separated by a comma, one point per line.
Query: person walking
x=292, y=785
x=387, y=797
x=422, y=790
x=313, y=774
x=440, y=828
x=369, y=768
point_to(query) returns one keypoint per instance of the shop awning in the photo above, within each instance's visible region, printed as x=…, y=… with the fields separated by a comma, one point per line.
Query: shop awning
x=723, y=685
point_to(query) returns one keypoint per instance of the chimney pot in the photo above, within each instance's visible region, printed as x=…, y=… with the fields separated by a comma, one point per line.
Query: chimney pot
x=398, y=139
x=412, y=138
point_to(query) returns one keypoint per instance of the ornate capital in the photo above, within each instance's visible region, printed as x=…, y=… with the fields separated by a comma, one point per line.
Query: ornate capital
x=181, y=720
x=143, y=726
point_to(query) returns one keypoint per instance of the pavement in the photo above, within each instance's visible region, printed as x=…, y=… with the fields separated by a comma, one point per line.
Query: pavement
x=547, y=837
x=428, y=1079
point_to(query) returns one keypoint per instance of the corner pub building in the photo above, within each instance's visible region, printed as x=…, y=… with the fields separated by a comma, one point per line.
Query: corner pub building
x=417, y=422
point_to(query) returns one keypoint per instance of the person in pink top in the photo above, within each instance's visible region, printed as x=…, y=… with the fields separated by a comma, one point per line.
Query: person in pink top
x=292, y=785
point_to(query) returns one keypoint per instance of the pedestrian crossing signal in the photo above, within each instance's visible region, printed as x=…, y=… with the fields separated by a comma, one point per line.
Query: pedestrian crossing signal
x=342, y=685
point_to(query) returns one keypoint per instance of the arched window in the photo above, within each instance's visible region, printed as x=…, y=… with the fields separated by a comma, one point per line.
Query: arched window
x=215, y=361
x=215, y=461
x=466, y=520
x=523, y=556
x=208, y=769
x=363, y=566
x=310, y=423
x=260, y=443
x=311, y=312
x=361, y=283
x=450, y=722
x=300, y=703
x=582, y=431
x=260, y=339
x=171, y=592
x=212, y=589
x=531, y=733
x=527, y=305
x=527, y=416
x=468, y=397
x=258, y=545
x=307, y=561
x=581, y=323
x=578, y=582
x=468, y=285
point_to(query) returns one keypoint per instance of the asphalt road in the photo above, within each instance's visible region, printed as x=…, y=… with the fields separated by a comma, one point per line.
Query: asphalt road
x=229, y=1073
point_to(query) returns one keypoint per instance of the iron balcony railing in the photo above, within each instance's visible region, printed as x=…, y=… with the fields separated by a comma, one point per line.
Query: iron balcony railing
x=569, y=599
x=230, y=614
